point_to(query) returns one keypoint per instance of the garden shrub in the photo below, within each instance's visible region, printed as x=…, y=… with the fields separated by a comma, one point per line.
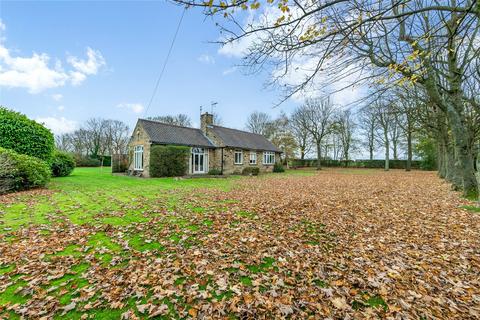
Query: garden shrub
x=215, y=172
x=62, y=164
x=119, y=163
x=278, y=167
x=426, y=150
x=83, y=161
x=251, y=171
x=25, y=136
x=21, y=172
x=168, y=161
x=105, y=161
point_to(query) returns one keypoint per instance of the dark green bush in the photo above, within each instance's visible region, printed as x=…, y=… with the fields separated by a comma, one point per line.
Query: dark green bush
x=278, y=167
x=168, y=161
x=83, y=161
x=251, y=171
x=62, y=164
x=106, y=161
x=215, y=172
x=119, y=163
x=21, y=172
x=426, y=150
x=25, y=136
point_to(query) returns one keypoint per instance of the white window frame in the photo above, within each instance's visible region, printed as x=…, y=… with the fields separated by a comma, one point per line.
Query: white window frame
x=235, y=157
x=138, y=158
x=199, y=151
x=253, y=157
x=268, y=157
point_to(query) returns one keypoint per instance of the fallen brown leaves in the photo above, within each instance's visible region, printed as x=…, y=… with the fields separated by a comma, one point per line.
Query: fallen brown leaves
x=383, y=245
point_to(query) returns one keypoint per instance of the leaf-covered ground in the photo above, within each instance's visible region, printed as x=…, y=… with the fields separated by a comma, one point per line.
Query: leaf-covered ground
x=337, y=243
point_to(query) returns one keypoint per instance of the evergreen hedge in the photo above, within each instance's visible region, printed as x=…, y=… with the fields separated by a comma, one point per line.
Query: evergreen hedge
x=278, y=167
x=25, y=136
x=168, y=161
x=21, y=172
x=62, y=164
x=393, y=164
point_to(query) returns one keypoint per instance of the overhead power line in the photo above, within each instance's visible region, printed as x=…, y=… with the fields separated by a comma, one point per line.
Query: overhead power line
x=165, y=62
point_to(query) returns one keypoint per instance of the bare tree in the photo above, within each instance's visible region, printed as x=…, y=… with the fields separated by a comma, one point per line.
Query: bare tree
x=385, y=118
x=345, y=126
x=299, y=127
x=258, y=122
x=396, y=132
x=180, y=119
x=278, y=132
x=406, y=110
x=62, y=142
x=369, y=126
x=118, y=136
x=319, y=117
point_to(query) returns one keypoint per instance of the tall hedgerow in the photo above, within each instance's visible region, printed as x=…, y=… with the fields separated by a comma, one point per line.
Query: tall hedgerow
x=168, y=161
x=25, y=136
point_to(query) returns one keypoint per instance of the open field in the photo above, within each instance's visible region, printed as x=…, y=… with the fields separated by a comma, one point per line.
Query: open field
x=363, y=243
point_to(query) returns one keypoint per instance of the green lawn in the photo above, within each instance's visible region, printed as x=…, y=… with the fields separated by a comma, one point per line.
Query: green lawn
x=81, y=196
x=95, y=198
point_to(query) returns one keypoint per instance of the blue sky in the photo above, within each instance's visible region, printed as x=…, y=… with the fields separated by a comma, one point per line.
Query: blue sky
x=63, y=62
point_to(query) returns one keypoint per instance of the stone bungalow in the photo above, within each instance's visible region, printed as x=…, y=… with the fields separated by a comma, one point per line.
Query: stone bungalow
x=212, y=146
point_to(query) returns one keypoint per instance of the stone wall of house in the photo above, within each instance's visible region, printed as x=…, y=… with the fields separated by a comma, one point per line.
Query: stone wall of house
x=139, y=138
x=229, y=166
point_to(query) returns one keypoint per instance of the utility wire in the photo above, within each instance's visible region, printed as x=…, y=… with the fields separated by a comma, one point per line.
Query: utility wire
x=165, y=62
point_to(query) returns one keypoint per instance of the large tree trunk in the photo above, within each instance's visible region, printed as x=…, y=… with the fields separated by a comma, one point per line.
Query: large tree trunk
x=464, y=160
x=409, y=151
x=387, y=148
x=455, y=112
x=371, y=153
x=387, y=155
x=395, y=149
x=441, y=158
x=319, y=156
x=453, y=174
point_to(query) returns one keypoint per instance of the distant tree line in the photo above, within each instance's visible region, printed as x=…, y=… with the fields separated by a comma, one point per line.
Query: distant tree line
x=392, y=124
x=96, y=138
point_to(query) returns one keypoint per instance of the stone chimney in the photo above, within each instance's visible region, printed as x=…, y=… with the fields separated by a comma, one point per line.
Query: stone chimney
x=206, y=119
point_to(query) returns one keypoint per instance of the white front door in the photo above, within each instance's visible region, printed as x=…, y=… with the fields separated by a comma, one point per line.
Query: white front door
x=198, y=160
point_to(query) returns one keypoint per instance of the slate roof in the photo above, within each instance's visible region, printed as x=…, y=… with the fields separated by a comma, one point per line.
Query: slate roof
x=242, y=139
x=163, y=133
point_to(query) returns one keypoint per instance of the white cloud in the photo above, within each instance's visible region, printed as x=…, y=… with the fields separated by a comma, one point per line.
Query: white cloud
x=36, y=73
x=32, y=73
x=58, y=125
x=77, y=77
x=134, y=107
x=206, y=59
x=60, y=108
x=57, y=96
x=236, y=49
x=91, y=65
